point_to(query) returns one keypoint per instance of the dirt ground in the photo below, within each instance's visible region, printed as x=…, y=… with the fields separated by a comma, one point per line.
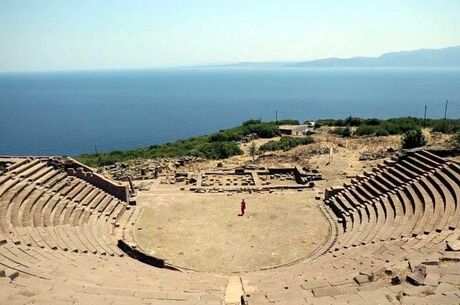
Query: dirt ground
x=204, y=231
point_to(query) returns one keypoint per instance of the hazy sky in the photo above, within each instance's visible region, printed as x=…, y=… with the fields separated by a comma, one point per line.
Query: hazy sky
x=75, y=35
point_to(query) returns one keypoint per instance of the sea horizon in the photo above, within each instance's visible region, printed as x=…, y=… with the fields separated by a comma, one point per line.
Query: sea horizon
x=74, y=112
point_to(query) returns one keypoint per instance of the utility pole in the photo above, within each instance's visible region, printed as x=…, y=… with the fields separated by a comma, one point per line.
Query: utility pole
x=424, y=116
x=445, y=110
x=95, y=149
x=276, y=116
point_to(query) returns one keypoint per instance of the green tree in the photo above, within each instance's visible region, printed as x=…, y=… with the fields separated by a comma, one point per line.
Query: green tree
x=253, y=151
x=413, y=138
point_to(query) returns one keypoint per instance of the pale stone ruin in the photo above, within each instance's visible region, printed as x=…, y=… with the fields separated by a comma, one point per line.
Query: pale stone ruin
x=249, y=179
x=149, y=169
x=66, y=238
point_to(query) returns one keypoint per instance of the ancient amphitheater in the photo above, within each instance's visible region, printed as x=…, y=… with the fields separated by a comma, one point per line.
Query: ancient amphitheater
x=66, y=237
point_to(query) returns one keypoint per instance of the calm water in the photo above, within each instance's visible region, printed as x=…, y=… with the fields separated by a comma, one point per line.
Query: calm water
x=70, y=113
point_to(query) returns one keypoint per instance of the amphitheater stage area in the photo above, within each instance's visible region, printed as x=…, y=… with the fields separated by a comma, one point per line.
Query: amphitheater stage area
x=204, y=232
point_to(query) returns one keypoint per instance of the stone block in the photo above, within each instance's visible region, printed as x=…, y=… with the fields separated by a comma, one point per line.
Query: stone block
x=315, y=284
x=432, y=279
x=416, y=278
x=326, y=291
x=451, y=256
x=444, y=288
x=453, y=279
x=11, y=274
x=395, y=280
x=453, y=269
x=362, y=279
x=453, y=245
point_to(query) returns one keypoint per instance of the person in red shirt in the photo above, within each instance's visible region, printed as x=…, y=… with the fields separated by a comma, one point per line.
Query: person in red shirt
x=243, y=207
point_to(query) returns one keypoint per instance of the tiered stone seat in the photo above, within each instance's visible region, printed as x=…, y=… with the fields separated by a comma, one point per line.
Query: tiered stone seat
x=350, y=276
x=55, y=277
x=375, y=207
x=43, y=207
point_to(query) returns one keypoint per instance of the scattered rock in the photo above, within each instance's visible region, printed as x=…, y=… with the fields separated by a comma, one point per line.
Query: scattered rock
x=395, y=280
x=417, y=277
x=453, y=245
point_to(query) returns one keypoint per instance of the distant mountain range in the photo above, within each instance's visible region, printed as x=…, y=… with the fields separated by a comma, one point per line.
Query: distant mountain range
x=446, y=57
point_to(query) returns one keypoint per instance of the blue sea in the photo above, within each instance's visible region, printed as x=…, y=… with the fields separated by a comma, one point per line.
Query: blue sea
x=77, y=112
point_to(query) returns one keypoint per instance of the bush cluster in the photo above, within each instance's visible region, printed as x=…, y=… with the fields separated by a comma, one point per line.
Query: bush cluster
x=413, y=138
x=288, y=122
x=342, y=131
x=286, y=143
x=219, y=145
x=378, y=127
x=222, y=144
x=262, y=129
x=446, y=126
x=220, y=150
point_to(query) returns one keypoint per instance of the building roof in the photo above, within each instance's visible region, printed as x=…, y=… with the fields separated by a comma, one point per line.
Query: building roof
x=293, y=127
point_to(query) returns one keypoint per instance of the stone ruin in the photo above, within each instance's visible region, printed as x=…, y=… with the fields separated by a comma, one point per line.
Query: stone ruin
x=149, y=169
x=245, y=179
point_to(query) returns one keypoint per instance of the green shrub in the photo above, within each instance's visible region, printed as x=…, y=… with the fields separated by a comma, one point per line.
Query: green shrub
x=328, y=122
x=227, y=135
x=342, y=131
x=286, y=143
x=288, y=122
x=413, y=138
x=351, y=121
x=446, y=126
x=371, y=122
x=264, y=130
x=381, y=132
x=251, y=122
x=365, y=130
x=253, y=151
x=220, y=150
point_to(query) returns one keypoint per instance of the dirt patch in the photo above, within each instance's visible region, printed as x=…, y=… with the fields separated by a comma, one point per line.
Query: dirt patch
x=204, y=231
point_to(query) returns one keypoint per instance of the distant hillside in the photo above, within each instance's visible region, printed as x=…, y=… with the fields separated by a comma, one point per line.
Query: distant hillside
x=447, y=57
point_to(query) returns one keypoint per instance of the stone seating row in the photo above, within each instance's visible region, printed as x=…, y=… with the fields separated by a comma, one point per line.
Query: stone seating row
x=79, y=279
x=27, y=205
x=384, y=178
x=428, y=202
x=41, y=206
x=428, y=205
x=352, y=272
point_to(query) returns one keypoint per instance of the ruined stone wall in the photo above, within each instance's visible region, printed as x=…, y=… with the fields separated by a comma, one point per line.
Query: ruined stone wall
x=141, y=256
x=77, y=169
